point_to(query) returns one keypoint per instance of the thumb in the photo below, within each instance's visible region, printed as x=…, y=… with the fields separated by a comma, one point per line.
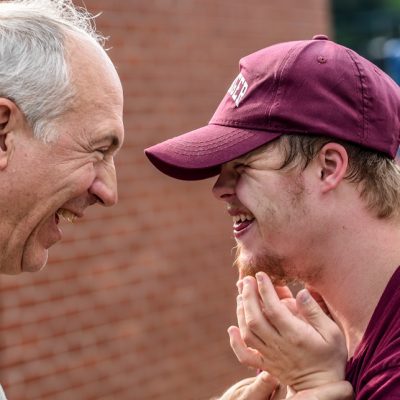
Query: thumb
x=318, y=298
x=311, y=311
x=255, y=388
x=261, y=388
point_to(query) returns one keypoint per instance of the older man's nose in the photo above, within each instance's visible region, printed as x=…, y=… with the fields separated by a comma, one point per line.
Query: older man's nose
x=104, y=188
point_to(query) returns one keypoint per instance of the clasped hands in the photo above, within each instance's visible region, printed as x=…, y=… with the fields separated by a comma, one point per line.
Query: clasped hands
x=300, y=348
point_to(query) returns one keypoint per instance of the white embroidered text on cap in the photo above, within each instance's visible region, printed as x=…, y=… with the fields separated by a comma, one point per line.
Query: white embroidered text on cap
x=238, y=89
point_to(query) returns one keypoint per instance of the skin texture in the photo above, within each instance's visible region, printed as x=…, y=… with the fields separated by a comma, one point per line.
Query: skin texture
x=73, y=172
x=289, y=238
x=272, y=240
x=299, y=337
x=266, y=387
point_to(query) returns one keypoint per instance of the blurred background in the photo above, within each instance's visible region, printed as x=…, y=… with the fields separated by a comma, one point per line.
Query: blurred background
x=135, y=302
x=372, y=28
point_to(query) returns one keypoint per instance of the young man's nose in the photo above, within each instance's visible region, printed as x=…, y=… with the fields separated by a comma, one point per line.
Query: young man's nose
x=224, y=187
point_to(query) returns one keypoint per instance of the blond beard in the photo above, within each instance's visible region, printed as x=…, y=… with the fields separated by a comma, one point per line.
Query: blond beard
x=272, y=264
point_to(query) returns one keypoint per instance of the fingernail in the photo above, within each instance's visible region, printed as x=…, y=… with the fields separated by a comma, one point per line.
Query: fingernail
x=304, y=296
x=246, y=281
x=259, y=277
x=239, y=300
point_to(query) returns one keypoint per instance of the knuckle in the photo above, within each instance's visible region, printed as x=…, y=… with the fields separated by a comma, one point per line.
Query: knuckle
x=246, y=298
x=247, y=337
x=244, y=359
x=272, y=313
x=348, y=391
x=313, y=312
x=337, y=336
x=250, y=340
x=338, y=341
x=296, y=340
x=253, y=324
x=263, y=290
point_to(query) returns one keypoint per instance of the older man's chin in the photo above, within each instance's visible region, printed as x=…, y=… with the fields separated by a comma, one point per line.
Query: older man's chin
x=34, y=262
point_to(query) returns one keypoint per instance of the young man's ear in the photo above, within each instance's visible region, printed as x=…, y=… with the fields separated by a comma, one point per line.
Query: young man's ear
x=11, y=118
x=332, y=163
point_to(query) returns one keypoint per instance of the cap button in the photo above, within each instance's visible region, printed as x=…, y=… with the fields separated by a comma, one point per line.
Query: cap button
x=320, y=37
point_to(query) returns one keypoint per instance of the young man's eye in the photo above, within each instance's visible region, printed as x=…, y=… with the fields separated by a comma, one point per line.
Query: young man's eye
x=239, y=168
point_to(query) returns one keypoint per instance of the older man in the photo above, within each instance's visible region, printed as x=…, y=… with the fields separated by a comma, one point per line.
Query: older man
x=304, y=144
x=60, y=126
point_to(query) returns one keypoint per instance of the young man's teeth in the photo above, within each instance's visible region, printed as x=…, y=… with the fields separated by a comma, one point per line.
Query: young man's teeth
x=67, y=215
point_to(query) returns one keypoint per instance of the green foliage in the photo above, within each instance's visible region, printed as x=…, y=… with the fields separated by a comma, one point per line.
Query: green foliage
x=358, y=22
x=355, y=6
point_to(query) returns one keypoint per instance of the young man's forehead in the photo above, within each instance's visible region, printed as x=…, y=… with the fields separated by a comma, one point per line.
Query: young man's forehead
x=263, y=150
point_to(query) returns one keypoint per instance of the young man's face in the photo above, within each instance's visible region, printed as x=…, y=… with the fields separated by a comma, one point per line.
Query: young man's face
x=64, y=177
x=269, y=207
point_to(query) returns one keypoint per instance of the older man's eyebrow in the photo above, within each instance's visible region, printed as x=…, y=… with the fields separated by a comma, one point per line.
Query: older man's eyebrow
x=111, y=139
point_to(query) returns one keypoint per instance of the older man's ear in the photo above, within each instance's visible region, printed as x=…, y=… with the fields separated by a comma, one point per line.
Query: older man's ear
x=11, y=118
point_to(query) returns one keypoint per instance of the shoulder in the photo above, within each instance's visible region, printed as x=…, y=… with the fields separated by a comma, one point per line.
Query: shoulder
x=380, y=384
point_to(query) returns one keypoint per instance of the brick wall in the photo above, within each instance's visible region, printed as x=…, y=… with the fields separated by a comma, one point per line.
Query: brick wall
x=135, y=302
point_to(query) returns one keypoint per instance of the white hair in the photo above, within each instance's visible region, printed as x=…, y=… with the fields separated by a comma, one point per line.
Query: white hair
x=34, y=72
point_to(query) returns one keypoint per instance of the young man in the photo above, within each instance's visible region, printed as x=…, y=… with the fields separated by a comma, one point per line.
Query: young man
x=304, y=144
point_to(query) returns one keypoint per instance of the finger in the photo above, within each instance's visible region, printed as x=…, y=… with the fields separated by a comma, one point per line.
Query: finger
x=333, y=391
x=255, y=388
x=277, y=314
x=250, y=338
x=261, y=388
x=240, y=315
x=254, y=315
x=246, y=355
x=313, y=313
x=291, y=305
x=286, y=297
x=236, y=390
x=280, y=392
x=283, y=292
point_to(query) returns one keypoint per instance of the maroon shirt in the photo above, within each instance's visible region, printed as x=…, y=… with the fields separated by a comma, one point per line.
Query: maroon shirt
x=374, y=370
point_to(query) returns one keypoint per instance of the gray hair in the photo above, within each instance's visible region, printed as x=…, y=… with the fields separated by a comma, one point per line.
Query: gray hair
x=34, y=72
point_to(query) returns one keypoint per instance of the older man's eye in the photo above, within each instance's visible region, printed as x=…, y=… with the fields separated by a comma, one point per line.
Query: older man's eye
x=103, y=151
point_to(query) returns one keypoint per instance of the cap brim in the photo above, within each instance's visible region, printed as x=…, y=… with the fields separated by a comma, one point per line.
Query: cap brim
x=199, y=154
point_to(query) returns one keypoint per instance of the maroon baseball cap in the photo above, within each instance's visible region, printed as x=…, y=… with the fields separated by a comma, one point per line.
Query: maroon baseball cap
x=309, y=87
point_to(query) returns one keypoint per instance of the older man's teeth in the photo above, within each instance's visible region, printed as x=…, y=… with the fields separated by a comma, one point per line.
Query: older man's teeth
x=242, y=218
x=67, y=215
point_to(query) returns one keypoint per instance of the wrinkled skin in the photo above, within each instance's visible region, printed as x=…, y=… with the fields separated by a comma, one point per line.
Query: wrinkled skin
x=72, y=172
